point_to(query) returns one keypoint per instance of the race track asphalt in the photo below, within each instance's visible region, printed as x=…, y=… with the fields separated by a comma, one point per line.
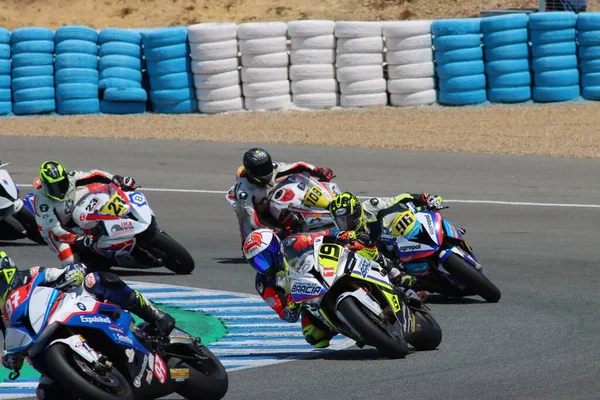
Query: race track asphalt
x=539, y=342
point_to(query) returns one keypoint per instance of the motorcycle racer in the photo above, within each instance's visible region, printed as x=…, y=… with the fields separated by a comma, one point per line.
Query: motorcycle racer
x=104, y=286
x=254, y=180
x=56, y=192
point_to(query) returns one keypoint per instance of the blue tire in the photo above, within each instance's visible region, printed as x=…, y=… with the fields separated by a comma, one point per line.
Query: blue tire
x=508, y=52
x=589, y=52
x=69, y=91
x=172, y=96
x=568, y=77
x=168, y=66
x=504, y=22
x=450, y=70
x=588, y=38
x=5, y=108
x=591, y=93
x=167, y=52
x=554, y=49
x=76, y=33
x=5, y=95
x=5, y=67
x=122, y=73
x=591, y=79
x=553, y=94
x=32, y=82
x=180, y=80
x=120, y=62
x=126, y=94
x=33, y=46
x=469, y=54
x=5, y=81
x=512, y=80
x=34, y=33
x=76, y=75
x=32, y=60
x=164, y=37
x=588, y=66
x=185, y=107
x=445, y=27
x=78, y=106
x=77, y=46
x=454, y=42
x=495, y=68
x=509, y=95
x=34, y=107
x=26, y=72
x=108, y=83
x=120, y=49
x=5, y=52
x=462, y=98
x=588, y=21
x=4, y=36
x=119, y=35
x=554, y=63
x=27, y=95
x=503, y=38
x=545, y=37
x=463, y=83
x=122, y=107
x=552, y=20
x=75, y=60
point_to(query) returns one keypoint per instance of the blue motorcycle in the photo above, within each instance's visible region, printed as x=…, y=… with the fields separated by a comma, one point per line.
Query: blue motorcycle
x=95, y=349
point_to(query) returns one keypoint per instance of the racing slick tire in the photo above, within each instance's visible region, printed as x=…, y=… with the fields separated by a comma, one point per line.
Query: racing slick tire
x=474, y=280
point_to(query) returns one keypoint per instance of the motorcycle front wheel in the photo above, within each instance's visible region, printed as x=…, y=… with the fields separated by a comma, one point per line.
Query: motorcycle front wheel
x=176, y=257
x=472, y=279
x=208, y=379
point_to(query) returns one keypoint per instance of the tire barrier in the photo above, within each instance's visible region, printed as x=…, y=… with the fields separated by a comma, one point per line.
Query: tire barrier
x=5, y=84
x=32, y=83
x=506, y=54
x=312, y=69
x=263, y=46
x=167, y=57
x=459, y=58
x=554, y=56
x=120, y=66
x=76, y=70
x=588, y=37
x=409, y=58
x=215, y=62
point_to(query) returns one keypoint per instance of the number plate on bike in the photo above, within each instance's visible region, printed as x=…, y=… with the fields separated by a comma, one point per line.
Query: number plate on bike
x=115, y=206
x=315, y=198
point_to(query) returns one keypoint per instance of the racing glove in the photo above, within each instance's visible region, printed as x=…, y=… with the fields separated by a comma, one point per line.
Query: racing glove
x=346, y=236
x=72, y=277
x=88, y=241
x=292, y=311
x=324, y=173
x=434, y=202
x=13, y=362
x=124, y=182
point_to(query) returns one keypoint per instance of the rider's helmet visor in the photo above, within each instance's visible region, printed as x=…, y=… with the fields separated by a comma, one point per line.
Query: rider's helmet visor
x=57, y=190
x=268, y=260
x=348, y=222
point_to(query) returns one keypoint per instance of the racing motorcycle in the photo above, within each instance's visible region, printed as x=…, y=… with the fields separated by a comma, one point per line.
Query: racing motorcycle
x=298, y=203
x=128, y=233
x=433, y=250
x=94, y=349
x=354, y=297
x=16, y=221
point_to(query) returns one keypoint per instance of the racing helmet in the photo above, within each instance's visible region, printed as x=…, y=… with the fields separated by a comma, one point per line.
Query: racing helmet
x=347, y=212
x=8, y=277
x=263, y=251
x=259, y=167
x=55, y=181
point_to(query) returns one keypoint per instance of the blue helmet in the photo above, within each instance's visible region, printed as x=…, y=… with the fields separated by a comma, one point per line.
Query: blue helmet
x=264, y=251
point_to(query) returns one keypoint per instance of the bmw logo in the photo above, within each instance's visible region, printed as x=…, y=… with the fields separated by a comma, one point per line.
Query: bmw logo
x=81, y=306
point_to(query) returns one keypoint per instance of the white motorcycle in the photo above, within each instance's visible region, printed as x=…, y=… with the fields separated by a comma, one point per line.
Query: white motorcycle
x=16, y=221
x=128, y=233
x=298, y=203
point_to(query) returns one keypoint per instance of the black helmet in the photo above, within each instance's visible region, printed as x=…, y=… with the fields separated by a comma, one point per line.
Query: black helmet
x=55, y=180
x=8, y=277
x=259, y=167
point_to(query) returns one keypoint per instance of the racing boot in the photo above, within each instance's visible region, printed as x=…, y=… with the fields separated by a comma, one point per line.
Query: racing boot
x=143, y=308
x=315, y=336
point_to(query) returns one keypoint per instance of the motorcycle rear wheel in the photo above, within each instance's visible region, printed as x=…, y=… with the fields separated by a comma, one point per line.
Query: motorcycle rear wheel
x=473, y=279
x=66, y=367
x=391, y=346
x=208, y=379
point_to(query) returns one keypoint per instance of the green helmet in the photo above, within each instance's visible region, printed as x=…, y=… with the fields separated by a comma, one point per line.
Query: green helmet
x=53, y=176
x=8, y=275
x=347, y=212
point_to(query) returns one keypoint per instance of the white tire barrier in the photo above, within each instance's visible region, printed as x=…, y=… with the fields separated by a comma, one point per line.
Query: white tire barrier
x=268, y=103
x=215, y=64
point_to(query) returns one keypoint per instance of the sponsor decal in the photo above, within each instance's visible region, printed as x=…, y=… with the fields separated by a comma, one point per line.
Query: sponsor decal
x=81, y=306
x=374, y=201
x=160, y=369
x=411, y=247
x=306, y=288
x=91, y=206
x=130, y=353
x=90, y=280
x=364, y=267
x=124, y=339
x=270, y=302
x=44, y=208
x=341, y=211
x=179, y=374
x=137, y=198
x=430, y=228
x=95, y=319
x=328, y=272
x=123, y=228
x=148, y=377
x=243, y=195
x=115, y=328
x=137, y=380
x=253, y=244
